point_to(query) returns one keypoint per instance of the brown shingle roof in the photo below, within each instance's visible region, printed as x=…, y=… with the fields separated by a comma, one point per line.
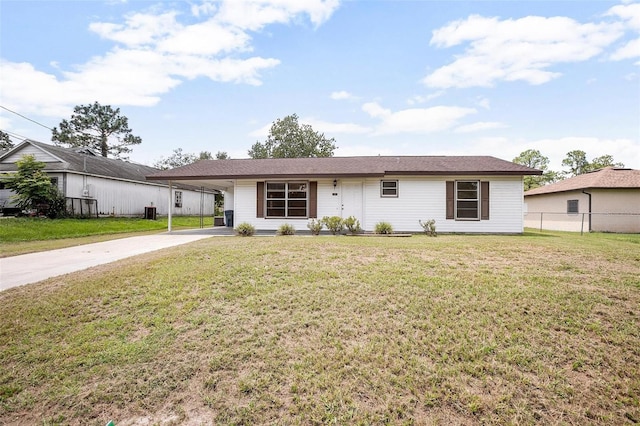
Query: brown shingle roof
x=345, y=167
x=609, y=177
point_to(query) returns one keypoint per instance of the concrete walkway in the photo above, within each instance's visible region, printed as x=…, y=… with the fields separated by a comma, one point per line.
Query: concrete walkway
x=34, y=267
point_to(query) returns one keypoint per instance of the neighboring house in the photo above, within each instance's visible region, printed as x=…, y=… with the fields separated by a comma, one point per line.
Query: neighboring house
x=94, y=184
x=606, y=200
x=473, y=194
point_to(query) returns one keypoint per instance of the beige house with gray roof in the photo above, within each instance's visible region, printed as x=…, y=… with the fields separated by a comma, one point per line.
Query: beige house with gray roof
x=466, y=194
x=606, y=200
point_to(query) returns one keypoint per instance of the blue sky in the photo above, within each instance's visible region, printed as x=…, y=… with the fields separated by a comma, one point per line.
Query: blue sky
x=381, y=77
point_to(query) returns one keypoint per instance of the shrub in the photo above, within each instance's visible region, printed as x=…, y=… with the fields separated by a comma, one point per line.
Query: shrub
x=245, y=229
x=333, y=224
x=352, y=224
x=429, y=227
x=286, y=229
x=383, y=228
x=315, y=226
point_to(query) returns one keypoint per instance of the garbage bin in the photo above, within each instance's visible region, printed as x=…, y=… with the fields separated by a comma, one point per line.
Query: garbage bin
x=150, y=213
x=228, y=218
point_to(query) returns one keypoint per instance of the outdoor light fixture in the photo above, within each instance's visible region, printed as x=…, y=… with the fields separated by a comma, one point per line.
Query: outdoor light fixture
x=335, y=183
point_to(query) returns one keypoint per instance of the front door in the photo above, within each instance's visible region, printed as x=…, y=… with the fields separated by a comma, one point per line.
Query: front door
x=352, y=200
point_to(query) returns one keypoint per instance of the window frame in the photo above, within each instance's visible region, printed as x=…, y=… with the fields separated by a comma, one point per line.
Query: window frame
x=395, y=188
x=288, y=202
x=177, y=199
x=571, y=203
x=458, y=200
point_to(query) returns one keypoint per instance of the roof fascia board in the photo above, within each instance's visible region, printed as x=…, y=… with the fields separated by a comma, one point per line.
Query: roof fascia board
x=142, y=182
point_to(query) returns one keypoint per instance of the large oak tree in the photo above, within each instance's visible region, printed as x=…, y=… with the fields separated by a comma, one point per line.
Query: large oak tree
x=289, y=139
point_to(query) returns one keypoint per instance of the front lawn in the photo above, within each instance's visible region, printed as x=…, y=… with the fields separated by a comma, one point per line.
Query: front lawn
x=26, y=235
x=536, y=329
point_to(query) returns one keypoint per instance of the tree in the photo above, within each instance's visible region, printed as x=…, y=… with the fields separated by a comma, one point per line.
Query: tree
x=30, y=183
x=5, y=141
x=179, y=159
x=577, y=162
x=534, y=159
x=98, y=127
x=288, y=139
x=604, y=161
x=222, y=155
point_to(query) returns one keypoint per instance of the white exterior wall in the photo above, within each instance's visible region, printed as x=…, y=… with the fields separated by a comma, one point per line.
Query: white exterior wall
x=420, y=198
x=423, y=198
x=125, y=198
x=246, y=205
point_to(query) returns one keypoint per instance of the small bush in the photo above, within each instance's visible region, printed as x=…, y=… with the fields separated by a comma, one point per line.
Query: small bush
x=286, y=229
x=333, y=224
x=315, y=226
x=429, y=227
x=383, y=228
x=352, y=224
x=245, y=229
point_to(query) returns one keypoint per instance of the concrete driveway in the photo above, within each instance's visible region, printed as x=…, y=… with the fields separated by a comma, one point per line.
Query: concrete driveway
x=34, y=267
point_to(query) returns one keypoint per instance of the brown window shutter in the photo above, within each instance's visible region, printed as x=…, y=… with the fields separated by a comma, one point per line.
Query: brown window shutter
x=484, y=200
x=313, y=199
x=260, y=199
x=450, y=199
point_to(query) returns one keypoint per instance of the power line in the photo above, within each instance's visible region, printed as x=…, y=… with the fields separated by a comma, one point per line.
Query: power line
x=26, y=118
x=14, y=135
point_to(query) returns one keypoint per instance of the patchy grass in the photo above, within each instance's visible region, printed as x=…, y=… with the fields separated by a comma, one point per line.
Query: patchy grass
x=541, y=328
x=28, y=235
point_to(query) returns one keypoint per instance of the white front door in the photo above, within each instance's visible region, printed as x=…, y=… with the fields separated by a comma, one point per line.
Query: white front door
x=352, y=200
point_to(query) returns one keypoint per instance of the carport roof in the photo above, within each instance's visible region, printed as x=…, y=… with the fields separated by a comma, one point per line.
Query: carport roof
x=343, y=167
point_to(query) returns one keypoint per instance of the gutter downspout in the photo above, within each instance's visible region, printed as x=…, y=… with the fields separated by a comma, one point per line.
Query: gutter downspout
x=589, y=194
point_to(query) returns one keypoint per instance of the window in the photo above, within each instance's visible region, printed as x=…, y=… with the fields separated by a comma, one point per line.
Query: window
x=178, y=198
x=467, y=200
x=287, y=199
x=388, y=188
x=572, y=206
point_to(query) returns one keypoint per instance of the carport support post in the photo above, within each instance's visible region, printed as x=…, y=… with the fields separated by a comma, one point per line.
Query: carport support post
x=170, y=209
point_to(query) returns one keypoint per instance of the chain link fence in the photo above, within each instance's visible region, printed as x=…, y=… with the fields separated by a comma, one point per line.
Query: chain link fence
x=628, y=223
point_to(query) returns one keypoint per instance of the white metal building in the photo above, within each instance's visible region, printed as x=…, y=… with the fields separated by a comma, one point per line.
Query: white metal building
x=97, y=185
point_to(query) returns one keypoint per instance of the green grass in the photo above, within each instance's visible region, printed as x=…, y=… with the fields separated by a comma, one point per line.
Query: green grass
x=534, y=329
x=27, y=235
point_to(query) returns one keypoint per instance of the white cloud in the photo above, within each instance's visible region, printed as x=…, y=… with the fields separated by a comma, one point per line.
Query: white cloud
x=419, y=99
x=416, y=120
x=362, y=150
x=255, y=14
x=630, y=13
x=622, y=150
x=138, y=29
x=479, y=126
x=155, y=51
x=516, y=49
x=329, y=128
x=484, y=103
x=628, y=51
x=341, y=95
x=326, y=127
